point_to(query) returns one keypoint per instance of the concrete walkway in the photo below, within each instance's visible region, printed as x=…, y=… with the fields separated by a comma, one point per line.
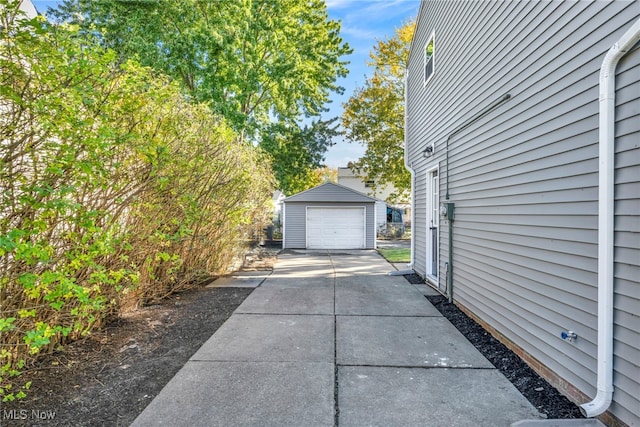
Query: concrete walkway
x=328, y=339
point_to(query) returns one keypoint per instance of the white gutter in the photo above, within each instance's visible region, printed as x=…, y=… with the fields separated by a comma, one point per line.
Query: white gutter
x=605, y=221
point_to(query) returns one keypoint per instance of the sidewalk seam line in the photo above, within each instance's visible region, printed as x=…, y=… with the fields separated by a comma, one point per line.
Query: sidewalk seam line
x=468, y=368
x=336, y=421
x=392, y=315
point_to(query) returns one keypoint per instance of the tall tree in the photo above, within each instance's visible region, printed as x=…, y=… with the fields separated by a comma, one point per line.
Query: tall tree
x=327, y=174
x=256, y=62
x=298, y=153
x=374, y=115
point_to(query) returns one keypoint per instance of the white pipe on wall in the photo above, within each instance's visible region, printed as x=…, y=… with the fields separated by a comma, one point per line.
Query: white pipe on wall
x=604, y=394
x=409, y=167
x=413, y=216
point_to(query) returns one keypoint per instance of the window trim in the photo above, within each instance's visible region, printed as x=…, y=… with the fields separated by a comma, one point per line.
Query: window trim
x=432, y=58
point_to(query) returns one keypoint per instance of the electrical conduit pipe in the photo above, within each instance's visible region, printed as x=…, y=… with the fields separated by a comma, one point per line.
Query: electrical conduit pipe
x=604, y=394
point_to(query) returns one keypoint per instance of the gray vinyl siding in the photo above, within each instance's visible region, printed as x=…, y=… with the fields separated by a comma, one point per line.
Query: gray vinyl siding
x=419, y=224
x=627, y=234
x=295, y=231
x=295, y=222
x=524, y=178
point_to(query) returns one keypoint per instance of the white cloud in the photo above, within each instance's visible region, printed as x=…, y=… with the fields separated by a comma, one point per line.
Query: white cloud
x=359, y=32
x=342, y=153
x=339, y=4
x=371, y=12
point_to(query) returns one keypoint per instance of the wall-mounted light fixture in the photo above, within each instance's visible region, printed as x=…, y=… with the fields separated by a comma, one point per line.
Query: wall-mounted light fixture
x=428, y=151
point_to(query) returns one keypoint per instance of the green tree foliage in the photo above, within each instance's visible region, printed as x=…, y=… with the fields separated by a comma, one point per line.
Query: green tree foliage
x=298, y=153
x=374, y=115
x=114, y=188
x=327, y=174
x=261, y=64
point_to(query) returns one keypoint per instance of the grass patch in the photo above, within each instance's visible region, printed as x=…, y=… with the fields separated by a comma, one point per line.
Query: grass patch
x=396, y=255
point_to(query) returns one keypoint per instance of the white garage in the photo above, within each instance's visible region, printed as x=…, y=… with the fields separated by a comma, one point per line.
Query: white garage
x=329, y=216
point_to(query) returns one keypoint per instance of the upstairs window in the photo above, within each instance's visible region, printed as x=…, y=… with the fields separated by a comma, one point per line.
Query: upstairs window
x=429, y=59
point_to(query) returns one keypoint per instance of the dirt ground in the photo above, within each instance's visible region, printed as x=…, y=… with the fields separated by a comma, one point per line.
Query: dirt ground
x=108, y=378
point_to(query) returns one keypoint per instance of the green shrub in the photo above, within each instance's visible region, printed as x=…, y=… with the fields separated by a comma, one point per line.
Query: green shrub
x=114, y=189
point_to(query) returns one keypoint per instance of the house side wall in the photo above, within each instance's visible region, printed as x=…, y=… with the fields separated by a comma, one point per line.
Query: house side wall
x=348, y=179
x=28, y=8
x=627, y=235
x=295, y=222
x=381, y=215
x=524, y=178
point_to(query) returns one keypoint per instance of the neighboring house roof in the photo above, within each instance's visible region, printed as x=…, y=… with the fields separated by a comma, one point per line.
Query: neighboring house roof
x=278, y=196
x=349, y=179
x=28, y=8
x=330, y=192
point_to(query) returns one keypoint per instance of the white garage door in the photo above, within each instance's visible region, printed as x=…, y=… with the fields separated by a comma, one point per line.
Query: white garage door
x=335, y=228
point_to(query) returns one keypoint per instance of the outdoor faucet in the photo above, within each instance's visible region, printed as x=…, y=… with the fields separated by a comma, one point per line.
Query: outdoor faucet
x=568, y=336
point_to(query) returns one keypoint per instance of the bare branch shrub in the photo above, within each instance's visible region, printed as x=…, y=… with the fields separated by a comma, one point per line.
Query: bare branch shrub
x=115, y=190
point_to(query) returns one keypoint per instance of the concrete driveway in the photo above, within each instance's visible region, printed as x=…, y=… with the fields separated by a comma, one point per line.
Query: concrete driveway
x=329, y=339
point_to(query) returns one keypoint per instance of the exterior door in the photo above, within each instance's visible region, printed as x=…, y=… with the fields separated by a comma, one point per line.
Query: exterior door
x=433, y=215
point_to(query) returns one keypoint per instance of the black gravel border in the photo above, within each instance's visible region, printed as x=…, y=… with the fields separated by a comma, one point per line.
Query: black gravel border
x=546, y=399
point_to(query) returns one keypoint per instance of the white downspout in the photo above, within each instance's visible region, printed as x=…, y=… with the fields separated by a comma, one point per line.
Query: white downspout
x=409, y=167
x=605, y=222
x=413, y=218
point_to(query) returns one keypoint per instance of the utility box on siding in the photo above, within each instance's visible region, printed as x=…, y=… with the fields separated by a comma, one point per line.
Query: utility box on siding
x=329, y=216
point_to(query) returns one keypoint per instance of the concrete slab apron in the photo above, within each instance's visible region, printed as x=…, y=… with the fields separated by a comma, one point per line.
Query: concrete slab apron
x=271, y=338
x=404, y=341
x=387, y=396
x=275, y=362
x=294, y=298
x=400, y=363
x=256, y=394
x=380, y=296
x=269, y=369
x=241, y=279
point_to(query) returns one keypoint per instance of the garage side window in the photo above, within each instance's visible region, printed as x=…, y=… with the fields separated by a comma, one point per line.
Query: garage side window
x=429, y=59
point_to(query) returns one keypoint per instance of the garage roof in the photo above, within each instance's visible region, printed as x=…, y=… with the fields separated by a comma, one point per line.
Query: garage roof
x=330, y=192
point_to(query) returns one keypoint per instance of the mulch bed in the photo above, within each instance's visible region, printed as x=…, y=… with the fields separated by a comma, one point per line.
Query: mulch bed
x=547, y=399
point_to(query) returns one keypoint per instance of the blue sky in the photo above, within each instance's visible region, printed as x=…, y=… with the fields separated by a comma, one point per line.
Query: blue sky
x=363, y=23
